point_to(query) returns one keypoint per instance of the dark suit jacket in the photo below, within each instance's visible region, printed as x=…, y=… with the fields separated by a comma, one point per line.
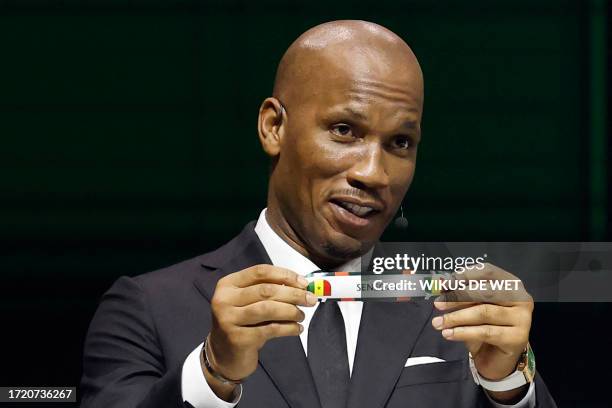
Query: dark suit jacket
x=146, y=326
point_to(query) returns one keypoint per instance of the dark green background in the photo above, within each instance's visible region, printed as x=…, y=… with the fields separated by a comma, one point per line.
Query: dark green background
x=129, y=143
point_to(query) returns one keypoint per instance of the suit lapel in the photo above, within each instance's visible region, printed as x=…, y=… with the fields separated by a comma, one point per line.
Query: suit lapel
x=387, y=335
x=283, y=359
x=243, y=251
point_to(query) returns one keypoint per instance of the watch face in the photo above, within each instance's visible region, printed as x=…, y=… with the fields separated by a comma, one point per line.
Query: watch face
x=529, y=370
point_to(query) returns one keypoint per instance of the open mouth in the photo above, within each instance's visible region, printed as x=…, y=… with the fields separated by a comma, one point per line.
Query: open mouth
x=362, y=211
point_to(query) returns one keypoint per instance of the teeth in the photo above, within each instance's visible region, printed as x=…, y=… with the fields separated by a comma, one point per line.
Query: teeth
x=358, y=210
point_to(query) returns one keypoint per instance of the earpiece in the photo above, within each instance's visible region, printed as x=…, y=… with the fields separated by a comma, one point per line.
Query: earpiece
x=401, y=221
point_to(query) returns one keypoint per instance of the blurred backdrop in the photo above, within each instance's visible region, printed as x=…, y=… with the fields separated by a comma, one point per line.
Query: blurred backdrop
x=129, y=143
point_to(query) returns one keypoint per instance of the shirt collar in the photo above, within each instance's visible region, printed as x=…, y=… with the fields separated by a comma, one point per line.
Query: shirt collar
x=283, y=255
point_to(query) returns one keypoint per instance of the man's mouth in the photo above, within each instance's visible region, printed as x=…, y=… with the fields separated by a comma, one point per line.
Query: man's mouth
x=361, y=210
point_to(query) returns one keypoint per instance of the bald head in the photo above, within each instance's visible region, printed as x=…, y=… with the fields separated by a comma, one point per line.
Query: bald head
x=343, y=50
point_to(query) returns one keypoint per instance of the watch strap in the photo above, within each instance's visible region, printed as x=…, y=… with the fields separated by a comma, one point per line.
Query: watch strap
x=524, y=374
x=511, y=382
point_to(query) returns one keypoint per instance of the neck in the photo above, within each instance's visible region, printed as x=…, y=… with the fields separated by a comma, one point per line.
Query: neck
x=287, y=233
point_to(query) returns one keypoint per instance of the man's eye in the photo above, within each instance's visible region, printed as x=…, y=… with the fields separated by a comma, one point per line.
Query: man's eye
x=403, y=142
x=342, y=129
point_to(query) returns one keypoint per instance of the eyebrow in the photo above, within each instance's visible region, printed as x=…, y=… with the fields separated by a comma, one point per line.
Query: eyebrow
x=408, y=124
x=355, y=113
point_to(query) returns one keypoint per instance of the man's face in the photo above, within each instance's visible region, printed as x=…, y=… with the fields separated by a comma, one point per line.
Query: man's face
x=348, y=158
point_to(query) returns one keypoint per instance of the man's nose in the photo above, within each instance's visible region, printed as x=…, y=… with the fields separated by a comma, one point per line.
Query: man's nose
x=369, y=169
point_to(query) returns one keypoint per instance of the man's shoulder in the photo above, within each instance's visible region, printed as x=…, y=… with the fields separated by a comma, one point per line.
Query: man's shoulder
x=182, y=274
x=179, y=275
x=175, y=274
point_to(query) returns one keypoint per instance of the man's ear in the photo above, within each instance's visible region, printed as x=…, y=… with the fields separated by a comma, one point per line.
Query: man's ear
x=270, y=125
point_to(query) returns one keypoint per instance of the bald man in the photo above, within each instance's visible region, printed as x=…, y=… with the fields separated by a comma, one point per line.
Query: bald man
x=237, y=325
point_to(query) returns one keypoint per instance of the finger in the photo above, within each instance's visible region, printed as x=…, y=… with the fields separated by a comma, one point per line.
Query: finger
x=272, y=291
x=480, y=314
x=279, y=329
x=500, y=336
x=267, y=274
x=442, y=303
x=267, y=311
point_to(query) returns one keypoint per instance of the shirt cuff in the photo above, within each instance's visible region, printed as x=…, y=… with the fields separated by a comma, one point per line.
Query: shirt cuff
x=194, y=388
x=528, y=401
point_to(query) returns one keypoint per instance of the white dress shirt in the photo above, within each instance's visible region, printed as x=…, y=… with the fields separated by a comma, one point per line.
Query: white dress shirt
x=196, y=390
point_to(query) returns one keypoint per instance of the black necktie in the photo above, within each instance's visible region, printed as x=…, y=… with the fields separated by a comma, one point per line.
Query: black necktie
x=327, y=355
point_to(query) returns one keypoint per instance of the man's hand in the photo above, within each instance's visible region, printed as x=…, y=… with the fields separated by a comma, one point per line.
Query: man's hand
x=494, y=325
x=249, y=308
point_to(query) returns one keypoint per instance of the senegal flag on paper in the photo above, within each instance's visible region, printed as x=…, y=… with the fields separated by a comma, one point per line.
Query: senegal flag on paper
x=320, y=287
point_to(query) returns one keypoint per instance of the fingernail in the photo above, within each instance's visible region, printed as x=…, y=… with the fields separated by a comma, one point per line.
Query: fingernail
x=311, y=299
x=440, y=305
x=302, y=281
x=447, y=333
x=301, y=328
x=438, y=322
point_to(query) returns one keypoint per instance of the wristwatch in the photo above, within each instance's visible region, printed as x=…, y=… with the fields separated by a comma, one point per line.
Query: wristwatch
x=524, y=374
